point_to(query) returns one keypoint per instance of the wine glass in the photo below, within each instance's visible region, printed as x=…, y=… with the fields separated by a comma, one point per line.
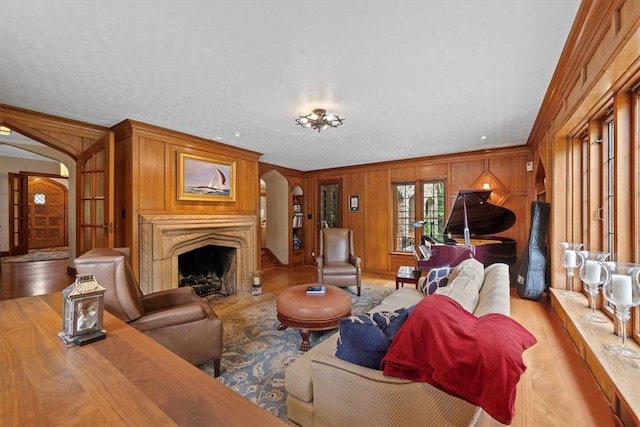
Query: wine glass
x=623, y=290
x=594, y=273
x=570, y=261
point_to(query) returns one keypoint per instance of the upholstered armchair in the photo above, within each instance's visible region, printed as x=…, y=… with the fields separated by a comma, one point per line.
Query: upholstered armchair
x=337, y=263
x=176, y=318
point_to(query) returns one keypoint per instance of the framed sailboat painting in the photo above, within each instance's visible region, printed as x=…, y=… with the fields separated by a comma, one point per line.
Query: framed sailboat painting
x=206, y=179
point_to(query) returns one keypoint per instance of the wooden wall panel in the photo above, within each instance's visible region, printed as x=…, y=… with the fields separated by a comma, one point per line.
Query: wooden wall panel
x=150, y=173
x=123, y=195
x=434, y=171
x=377, y=208
x=311, y=221
x=509, y=170
x=403, y=173
x=463, y=175
x=354, y=184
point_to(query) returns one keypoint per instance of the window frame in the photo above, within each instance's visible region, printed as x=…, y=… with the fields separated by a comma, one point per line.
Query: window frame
x=402, y=225
x=417, y=211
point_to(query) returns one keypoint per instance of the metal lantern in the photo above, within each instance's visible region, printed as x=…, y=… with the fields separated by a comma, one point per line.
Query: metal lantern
x=83, y=310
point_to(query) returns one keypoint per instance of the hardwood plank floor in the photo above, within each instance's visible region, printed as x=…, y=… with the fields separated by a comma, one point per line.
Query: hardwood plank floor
x=557, y=388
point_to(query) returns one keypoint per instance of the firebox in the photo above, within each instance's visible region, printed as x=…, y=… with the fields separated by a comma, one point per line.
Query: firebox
x=209, y=270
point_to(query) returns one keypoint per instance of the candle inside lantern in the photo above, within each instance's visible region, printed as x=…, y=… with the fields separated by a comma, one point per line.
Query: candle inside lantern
x=256, y=280
x=592, y=272
x=570, y=259
x=621, y=289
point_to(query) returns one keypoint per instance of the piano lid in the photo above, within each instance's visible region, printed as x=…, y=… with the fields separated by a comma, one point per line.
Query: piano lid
x=483, y=217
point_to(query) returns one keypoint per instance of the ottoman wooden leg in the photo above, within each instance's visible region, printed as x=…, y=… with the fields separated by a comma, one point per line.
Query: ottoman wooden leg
x=305, y=345
x=282, y=327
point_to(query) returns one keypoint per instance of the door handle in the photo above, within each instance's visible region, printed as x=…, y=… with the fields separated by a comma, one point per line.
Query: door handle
x=599, y=216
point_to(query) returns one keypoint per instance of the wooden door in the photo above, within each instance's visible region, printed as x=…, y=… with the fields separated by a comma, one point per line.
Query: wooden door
x=18, y=214
x=95, y=175
x=48, y=201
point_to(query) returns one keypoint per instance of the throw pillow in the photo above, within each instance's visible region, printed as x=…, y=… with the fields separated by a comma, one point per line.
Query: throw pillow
x=361, y=341
x=468, y=267
x=476, y=359
x=465, y=286
x=391, y=321
x=436, y=278
x=365, y=338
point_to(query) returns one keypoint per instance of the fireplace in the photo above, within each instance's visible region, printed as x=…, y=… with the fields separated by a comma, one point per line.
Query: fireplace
x=164, y=238
x=209, y=270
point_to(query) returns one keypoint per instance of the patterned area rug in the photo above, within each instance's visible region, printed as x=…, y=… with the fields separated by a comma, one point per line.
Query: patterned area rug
x=45, y=254
x=256, y=353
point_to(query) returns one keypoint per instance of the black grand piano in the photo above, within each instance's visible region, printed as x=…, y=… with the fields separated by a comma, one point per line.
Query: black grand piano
x=471, y=223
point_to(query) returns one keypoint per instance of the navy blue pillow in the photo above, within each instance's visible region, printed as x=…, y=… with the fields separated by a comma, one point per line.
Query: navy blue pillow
x=391, y=321
x=361, y=341
x=365, y=338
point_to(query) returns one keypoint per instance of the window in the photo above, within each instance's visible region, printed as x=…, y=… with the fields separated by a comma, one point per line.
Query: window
x=609, y=196
x=427, y=205
x=39, y=199
x=635, y=203
x=405, y=214
x=433, y=196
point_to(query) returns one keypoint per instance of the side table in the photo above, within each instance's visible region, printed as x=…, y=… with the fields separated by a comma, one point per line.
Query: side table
x=408, y=274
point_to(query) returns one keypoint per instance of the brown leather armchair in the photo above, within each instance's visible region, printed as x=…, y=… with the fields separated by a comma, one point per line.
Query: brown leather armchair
x=176, y=318
x=337, y=264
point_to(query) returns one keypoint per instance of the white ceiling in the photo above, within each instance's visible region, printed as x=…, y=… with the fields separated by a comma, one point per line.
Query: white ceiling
x=410, y=78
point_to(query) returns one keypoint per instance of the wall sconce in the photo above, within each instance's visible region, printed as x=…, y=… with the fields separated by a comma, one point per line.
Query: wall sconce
x=486, y=186
x=5, y=130
x=83, y=311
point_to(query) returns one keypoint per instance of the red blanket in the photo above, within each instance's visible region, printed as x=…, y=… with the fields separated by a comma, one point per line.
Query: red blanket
x=476, y=359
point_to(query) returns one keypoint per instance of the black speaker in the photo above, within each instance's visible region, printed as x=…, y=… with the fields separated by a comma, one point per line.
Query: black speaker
x=533, y=277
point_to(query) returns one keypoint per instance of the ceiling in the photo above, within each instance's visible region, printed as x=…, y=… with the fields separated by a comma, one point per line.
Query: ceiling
x=410, y=78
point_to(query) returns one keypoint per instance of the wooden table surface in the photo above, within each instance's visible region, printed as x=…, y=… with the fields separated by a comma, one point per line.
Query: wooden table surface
x=126, y=379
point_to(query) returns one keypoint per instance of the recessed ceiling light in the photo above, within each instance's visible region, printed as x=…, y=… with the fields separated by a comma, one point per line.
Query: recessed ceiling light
x=483, y=137
x=237, y=134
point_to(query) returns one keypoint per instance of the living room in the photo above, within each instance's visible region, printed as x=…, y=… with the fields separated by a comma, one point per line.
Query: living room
x=595, y=80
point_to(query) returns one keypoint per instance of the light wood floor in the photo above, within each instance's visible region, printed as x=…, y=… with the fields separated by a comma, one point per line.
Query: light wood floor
x=557, y=389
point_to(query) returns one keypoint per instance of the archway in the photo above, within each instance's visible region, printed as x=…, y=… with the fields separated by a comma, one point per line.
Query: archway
x=277, y=213
x=34, y=153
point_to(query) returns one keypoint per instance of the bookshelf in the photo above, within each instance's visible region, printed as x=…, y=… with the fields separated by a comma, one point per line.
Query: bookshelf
x=297, y=227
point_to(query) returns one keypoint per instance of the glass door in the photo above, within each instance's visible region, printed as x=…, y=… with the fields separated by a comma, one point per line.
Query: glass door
x=329, y=205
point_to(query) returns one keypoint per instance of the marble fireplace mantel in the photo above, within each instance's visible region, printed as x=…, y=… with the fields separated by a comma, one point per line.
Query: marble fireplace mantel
x=164, y=237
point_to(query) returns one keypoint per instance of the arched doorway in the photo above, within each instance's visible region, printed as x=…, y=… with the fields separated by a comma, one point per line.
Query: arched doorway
x=87, y=151
x=277, y=214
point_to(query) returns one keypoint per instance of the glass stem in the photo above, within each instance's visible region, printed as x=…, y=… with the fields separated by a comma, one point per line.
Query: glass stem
x=623, y=314
x=570, y=277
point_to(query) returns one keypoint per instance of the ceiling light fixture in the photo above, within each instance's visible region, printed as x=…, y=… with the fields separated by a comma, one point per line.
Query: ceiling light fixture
x=319, y=120
x=5, y=130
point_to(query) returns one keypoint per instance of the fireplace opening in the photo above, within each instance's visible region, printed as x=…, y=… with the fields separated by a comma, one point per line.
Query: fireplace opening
x=210, y=270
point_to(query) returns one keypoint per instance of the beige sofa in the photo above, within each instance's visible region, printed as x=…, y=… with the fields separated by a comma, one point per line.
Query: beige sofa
x=324, y=390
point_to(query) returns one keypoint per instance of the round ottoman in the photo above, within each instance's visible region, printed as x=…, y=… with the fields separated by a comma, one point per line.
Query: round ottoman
x=307, y=313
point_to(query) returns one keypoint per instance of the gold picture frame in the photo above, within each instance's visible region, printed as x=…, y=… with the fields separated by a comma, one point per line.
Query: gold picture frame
x=206, y=178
